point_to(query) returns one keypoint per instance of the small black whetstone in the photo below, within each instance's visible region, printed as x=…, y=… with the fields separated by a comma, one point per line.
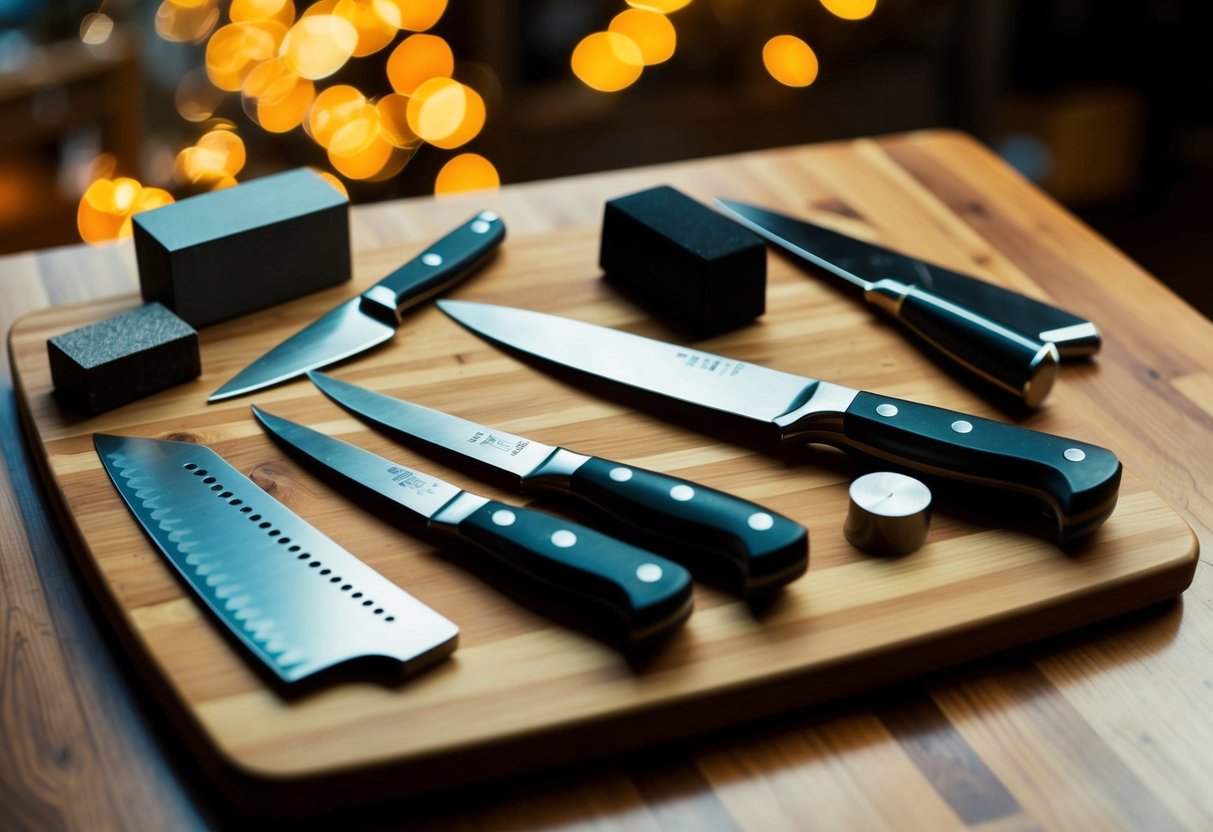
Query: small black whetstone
x=236, y=250
x=123, y=358
x=684, y=262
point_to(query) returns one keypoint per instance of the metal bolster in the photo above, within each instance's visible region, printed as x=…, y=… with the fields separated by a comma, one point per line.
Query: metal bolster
x=819, y=416
x=555, y=472
x=888, y=295
x=380, y=303
x=460, y=507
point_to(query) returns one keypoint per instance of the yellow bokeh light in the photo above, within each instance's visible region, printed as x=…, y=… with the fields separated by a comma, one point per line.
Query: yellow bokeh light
x=467, y=172
x=662, y=6
x=107, y=205
x=374, y=32
x=230, y=146
x=198, y=165
x=282, y=11
x=366, y=162
x=358, y=129
x=287, y=112
x=445, y=113
x=790, y=60
x=319, y=45
x=320, y=7
x=189, y=4
x=414, y=15
x=270, y=80
x=96, y=28
x=186, y=24
x=394, y=121
x=850, y=9
x=417, y=59
x=224, y=182
x=607, y=61
x=236, y=49
x=334, y=107
x=337, y=184
x=651, y=31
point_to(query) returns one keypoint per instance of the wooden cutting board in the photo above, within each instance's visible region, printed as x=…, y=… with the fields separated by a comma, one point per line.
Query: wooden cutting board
x=522, y=692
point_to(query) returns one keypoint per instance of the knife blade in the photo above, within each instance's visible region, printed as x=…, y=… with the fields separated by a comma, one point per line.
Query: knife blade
x=371, y=318
x=1076, y=483
x=295, y=599
x=1009, y=340
x=761, y=549
x=646, y=595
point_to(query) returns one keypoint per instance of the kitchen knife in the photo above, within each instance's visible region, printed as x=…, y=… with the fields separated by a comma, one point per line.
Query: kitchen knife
x=296, y=600
x=646, y=594
x=1075, y=482
x=371, y=318
x=764, y=549
x=1011, y=341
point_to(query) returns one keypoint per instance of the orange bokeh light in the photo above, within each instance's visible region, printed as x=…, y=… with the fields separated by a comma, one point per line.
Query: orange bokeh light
x=417, y=15
x=319, y=45
x=230, y=146
x=334, y=107
x=651, y=31
x=850, y=9
x=374, y=32
x=790, y=61
x=417, y=59
x=287, y=112
x=445, y=113
x=607, y=61
x=186, y=23
x=394, y=120
x=366, y=161
x=662, y=6
x=282, y=11
x=337, y=184
x=466, y=172
x=236, y=49
x=107, y=205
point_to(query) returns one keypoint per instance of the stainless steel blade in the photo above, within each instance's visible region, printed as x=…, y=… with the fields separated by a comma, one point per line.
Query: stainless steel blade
x=297, y=600
x=344, y=332
x=504, y=451
x=672, y=370
x=420, y=493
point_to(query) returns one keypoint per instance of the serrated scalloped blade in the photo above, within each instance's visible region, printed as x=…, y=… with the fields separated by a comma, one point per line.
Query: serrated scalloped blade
x=298, y=601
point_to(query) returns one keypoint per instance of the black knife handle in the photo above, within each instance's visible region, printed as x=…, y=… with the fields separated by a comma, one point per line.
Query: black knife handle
x=647, y=593
x=443, y=264
x=1078, y=482
x=1018, y=365
x=768, y=549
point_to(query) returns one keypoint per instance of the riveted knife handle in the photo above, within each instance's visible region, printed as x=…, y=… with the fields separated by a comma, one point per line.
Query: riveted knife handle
x=766, y=548
x=1014, y=363
x=443, y=264
x=648, y=594
x=1078, y=482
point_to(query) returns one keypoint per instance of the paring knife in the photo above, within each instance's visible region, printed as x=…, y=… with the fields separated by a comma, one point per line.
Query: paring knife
x=1010, y=341
x=371, y=318
x=1077, y=483
x=300, y=603
x=764, y=549
x=645, y=593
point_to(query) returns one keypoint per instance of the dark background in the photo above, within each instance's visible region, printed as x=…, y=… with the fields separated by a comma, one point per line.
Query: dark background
x=1107, y=105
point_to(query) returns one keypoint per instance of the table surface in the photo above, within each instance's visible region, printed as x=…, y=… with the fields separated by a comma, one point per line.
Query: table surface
x=1108, y=727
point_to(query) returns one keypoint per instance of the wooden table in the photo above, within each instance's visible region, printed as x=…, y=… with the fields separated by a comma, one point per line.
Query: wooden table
x=1107, y=728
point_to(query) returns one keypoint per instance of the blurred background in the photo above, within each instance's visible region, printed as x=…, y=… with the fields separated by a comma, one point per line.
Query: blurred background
x=108, y=107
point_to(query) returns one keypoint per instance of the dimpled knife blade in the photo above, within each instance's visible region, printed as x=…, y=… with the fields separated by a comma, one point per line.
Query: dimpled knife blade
x=294, y=598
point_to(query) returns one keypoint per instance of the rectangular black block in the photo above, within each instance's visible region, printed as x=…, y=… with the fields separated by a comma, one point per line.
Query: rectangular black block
x=684, y=262
x=236, y=250
x=123, y=358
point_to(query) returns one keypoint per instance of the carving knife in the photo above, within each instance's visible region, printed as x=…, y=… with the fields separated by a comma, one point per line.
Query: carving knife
x=1076, y=483
x=763, y=549
x=296, y=600
x=646, y=594
x=372, y=318
x=1007, y=339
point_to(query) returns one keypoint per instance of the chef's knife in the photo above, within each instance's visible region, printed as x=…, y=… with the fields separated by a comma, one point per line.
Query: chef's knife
x=1077, y=483
x=371, y=318
x=300, y=603
x=1006, y=339
x=765, y=549
x=645, y=593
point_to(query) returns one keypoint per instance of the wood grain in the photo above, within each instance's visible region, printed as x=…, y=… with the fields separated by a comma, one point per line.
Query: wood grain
x=1138, y=685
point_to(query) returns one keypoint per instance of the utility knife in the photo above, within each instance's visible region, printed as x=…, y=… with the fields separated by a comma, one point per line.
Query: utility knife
x=761, y=548
x=371, y=318
x=644, y=593
x=1009, y=340
x=1074, y=482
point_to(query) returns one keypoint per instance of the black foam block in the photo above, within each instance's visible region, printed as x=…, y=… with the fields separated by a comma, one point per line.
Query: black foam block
x=684, y=262
x=123, y=358
x=237, y=250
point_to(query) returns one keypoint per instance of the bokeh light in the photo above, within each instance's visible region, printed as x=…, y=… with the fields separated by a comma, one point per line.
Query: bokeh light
x=278, y=115
x=418, y=15
x=282, y=11
x=850, y=9
x=417, y=59
x=651, y=31
x=236, y=49
x=607, y=61
x=445, y=113
x=183, y=21
x=790, y=60
x=466, y=172
x=107, y=205
x=96, y=28
x=318, y=45
x=394, y=120
x=366, y=161
x=663, y=6
x=374, y=32
x=337, y=184
x=334, y=107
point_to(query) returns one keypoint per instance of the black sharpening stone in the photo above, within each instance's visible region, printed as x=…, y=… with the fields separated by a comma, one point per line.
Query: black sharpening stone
x=684, y=262
x=125, y=357
x=236, y=250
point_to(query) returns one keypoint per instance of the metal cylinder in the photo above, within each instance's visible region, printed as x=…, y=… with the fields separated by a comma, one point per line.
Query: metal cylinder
x=889, y=513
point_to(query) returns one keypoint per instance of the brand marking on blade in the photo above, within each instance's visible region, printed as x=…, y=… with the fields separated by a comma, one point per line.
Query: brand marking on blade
x=714, y=364
x=405, y=478
x=487, y=440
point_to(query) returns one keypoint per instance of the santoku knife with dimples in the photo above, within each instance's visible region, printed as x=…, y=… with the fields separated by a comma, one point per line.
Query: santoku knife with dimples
x=371, y=318
x=763, y=549
x=1076, y=483
x=646, y=595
